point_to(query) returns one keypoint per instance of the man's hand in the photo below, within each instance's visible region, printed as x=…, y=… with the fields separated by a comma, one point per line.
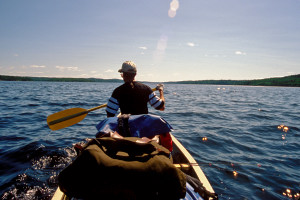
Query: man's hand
x=160, y=87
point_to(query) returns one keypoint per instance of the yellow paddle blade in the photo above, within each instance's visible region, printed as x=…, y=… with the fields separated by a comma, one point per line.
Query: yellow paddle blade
x=66, y=118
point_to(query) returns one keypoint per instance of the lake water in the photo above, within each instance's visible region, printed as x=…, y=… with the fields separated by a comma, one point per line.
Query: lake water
x=232, y=131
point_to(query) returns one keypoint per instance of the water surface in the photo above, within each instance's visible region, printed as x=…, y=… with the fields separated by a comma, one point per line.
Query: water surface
x=232, y=131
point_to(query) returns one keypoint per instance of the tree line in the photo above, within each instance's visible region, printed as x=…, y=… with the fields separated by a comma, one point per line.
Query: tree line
x=288, y=81
x=26, y=78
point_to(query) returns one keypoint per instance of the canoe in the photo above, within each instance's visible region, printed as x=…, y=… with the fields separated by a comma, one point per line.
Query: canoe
x=182, y=159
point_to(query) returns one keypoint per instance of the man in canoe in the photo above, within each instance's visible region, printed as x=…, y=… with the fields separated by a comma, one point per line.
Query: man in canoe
x=132, y=97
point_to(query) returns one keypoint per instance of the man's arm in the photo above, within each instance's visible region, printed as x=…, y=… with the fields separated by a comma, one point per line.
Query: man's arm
x=158, y=102
x=161, y=96
x=112, y=107
x=109, y=114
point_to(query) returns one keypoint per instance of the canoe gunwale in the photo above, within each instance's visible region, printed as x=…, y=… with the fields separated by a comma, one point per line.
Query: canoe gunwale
x=193, y=164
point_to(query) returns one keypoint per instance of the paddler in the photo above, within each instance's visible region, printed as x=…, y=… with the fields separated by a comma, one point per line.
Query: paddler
x=132, y=97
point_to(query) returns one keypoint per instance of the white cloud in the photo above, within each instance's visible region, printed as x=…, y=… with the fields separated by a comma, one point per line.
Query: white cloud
x=109, y=71
x=83, y=75
x=146, y=75
x=240, y=53
x=37, y=66
x=63, y=68
x=144, y=48
x=98, y=75
x=190, y=44
x=215, y=55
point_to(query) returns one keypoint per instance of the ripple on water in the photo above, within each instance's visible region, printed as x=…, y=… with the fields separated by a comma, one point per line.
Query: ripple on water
x=240, y=125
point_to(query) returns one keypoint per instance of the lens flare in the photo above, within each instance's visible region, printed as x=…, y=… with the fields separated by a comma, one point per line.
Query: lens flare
x=171, y=13
x=162, y=43
x=174, y=5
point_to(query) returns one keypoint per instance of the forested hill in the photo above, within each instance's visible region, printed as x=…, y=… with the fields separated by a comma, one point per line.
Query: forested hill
x=27, y=78
x=289, y=81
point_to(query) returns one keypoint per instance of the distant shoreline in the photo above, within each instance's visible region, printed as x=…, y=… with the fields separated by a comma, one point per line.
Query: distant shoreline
x=287, y=81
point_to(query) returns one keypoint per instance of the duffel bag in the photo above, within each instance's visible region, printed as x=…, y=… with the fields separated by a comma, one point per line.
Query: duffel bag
x=110, y=168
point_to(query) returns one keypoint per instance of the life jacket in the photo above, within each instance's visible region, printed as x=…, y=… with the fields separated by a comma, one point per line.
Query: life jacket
x=111, y=168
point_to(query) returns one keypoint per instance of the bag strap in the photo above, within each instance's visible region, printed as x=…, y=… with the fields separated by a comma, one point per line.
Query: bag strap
x=123, y=125
x=129, y=145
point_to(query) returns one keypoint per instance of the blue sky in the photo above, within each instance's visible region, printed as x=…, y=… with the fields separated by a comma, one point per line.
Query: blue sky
x=168, y=40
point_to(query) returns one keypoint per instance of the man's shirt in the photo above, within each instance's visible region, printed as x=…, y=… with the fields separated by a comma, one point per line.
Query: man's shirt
x=133, y=99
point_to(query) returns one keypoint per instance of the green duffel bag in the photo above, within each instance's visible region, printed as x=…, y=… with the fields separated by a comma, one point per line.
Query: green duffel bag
x=109, y=168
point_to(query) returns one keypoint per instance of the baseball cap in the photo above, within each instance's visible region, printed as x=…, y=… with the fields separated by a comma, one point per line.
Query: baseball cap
x=128, y=67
